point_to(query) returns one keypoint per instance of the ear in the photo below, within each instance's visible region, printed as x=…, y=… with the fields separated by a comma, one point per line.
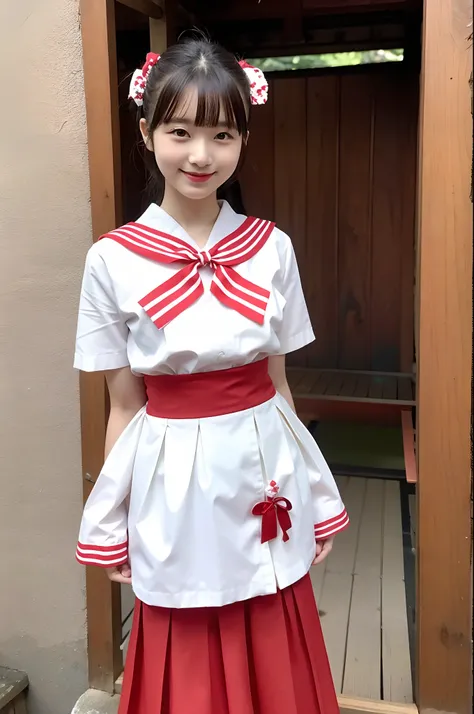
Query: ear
x=146, y=135
x=246, y=138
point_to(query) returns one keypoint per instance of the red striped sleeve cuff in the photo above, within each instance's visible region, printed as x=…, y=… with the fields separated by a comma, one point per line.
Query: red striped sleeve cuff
x=105, y=556
x=332, y=526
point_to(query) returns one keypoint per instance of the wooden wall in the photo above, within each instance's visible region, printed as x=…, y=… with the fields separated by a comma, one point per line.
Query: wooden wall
x=332, y=158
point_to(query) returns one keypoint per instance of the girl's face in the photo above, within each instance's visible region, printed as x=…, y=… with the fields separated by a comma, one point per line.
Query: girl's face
x=194, y=161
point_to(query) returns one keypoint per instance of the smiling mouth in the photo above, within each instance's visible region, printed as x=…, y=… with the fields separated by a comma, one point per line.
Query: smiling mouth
x=196, y=177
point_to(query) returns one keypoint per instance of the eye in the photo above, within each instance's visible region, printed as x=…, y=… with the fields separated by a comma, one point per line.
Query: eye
x=180, y=133
x=223, y=135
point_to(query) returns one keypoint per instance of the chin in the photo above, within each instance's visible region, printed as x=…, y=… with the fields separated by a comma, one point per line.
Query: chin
x=197, y=191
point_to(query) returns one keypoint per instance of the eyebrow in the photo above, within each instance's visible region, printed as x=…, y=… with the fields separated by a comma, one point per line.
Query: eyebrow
x=189, y=122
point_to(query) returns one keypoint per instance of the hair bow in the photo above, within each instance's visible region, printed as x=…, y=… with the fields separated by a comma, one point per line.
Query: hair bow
x=139, y=79
x=258, y=83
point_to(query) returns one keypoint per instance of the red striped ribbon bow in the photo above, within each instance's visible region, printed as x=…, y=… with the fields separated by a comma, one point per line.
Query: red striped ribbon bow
x=272, y=511
x=180, y=291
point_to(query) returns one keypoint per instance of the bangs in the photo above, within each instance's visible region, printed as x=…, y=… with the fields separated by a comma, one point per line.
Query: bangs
x=219, y=98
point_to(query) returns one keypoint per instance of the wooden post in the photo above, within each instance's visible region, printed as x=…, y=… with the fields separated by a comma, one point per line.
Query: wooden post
x=158, y=30
x=100, y=80
x=444, y=604
x=151, y=8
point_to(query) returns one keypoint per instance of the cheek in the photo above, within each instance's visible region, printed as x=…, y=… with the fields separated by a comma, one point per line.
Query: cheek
x=167, y=155
x=232, y=157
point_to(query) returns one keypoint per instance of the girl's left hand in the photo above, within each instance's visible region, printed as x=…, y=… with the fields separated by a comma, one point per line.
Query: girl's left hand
x=323, y=548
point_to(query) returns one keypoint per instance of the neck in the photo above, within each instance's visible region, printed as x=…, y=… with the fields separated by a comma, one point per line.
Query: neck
x=196, y=217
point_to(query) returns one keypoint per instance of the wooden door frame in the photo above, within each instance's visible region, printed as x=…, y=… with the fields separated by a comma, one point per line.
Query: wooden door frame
x=100, y=78
x=443, y=672
x=104, y=621
x=444, y=596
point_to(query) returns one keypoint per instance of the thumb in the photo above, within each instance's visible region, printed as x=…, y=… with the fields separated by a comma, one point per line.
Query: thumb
x=126, y=570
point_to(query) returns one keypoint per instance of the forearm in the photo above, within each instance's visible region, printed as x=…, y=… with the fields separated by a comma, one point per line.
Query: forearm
x=284, y=390
x=119, y=419
x=277, y=372
x=127, y=397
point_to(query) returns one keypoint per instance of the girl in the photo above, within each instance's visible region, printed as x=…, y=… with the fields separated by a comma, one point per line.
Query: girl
x=214, y=500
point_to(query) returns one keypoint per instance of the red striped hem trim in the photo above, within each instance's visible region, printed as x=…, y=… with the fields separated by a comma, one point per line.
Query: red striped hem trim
x=105, y=556
x=331, y=526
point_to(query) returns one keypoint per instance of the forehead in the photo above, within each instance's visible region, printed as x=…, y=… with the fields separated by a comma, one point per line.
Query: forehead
x=187, y=108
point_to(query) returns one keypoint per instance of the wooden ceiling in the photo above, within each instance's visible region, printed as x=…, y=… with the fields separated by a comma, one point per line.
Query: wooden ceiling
x=260, y=27
x=225, y=11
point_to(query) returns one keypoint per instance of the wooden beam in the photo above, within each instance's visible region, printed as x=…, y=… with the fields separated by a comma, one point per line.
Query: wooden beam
x=217, y=10
x=355, y=5
x=100, y=81
x=293, y=23
x=356, y=705
x=358, y=412
x=158, y=41
x=408, y=435
x=444, y=600
x=146, y=7
x=312, y=48
x=164, y=32
x=172, y=21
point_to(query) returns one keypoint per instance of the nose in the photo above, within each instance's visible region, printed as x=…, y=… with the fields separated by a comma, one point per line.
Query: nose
x=200, y=154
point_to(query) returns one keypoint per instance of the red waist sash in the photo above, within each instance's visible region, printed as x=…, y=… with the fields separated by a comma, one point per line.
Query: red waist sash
x=206, y=394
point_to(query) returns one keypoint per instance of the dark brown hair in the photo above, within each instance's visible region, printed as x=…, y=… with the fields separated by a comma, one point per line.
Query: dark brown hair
x=221, y=85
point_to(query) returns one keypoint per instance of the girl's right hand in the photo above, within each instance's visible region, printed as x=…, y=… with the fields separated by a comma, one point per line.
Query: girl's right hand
x=120, y=574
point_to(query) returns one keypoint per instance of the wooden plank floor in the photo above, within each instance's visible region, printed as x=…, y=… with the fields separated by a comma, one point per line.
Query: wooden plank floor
x=360, y=592
x=352, y=386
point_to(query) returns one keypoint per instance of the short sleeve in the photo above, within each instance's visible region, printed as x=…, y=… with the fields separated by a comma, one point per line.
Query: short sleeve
x=101, y=339
x=295, y=330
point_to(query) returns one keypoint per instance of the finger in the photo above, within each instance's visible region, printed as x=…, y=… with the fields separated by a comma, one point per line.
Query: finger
x=120, y=574
x=319, y=547
x=117, y=577
x=319, y=558
x=326, y=548
x=327, y=545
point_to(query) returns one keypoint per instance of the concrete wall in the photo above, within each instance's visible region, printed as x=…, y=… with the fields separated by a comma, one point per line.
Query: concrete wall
x=44, y=234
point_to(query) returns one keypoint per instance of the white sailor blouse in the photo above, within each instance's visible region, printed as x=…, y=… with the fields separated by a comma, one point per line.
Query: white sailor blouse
x=197, y=505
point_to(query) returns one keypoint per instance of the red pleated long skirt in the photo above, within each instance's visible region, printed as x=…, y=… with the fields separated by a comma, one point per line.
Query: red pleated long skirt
x=260, y=656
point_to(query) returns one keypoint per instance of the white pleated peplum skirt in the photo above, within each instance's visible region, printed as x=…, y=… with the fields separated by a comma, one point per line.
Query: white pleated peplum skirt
x=192, y=484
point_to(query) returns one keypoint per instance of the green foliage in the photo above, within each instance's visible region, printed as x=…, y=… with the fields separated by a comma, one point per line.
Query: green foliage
x=334, y=59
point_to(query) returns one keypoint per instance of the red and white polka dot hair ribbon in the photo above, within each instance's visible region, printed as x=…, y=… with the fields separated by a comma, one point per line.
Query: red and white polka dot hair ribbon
x=258, y=83
x=139, y=79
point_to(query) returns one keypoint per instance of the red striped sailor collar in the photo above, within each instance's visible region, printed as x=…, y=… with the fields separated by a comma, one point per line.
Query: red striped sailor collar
x=226, y=222
x=222, y=252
